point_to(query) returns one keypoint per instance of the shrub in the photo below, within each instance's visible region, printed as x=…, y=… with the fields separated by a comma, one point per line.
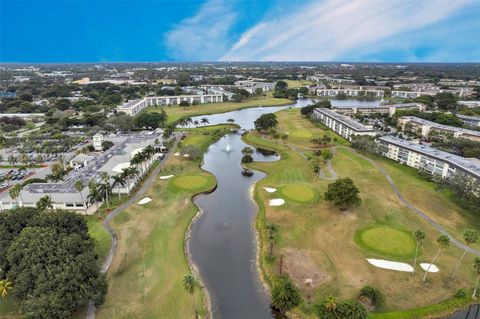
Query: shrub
x=375, y=296
x=247, y=158
x=460, y=294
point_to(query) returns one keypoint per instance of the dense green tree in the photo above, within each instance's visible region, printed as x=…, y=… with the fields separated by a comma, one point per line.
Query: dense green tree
x=150, y=121
x=266, y=122
x=285, y=295
x=343, y=193
x=476, y=270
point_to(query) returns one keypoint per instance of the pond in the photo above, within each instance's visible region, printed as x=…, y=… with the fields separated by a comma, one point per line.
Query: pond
x=222, y=242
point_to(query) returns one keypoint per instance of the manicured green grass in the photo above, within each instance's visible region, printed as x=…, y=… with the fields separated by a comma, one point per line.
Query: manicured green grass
x=177, y=112
x=102, y=238
x=326, y=235
x=190, y=182
x=298, y=193
x=298, y=83
x=145, y=278
x=386, y=241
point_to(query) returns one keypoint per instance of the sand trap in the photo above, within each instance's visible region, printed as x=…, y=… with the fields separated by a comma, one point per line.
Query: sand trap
x=276, y=202
x=392, y=265
x=270, y=190
x=186, y=155
x=433, y=268
x=166, y=176
x=144, y=201
x=176, y=154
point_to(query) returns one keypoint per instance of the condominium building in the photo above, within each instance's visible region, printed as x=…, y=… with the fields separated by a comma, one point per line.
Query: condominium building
x=351, y=92
x=251, y=86
x=412, y=94
x=135, y=106
x=342, y=125
x=427, y=159
x=469, y=104
x=470, y=120
x=427, y=128
x=377, y=109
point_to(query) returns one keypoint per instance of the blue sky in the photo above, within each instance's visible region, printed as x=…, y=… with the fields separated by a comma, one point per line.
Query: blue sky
x=240, y=30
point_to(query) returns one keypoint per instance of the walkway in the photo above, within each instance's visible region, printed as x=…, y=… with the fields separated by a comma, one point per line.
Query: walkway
x=438, y=227
x=106, y=223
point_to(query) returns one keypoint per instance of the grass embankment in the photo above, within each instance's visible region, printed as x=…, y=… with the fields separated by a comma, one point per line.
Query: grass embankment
x=176, y=112
x=145, y=278
x=317, y=241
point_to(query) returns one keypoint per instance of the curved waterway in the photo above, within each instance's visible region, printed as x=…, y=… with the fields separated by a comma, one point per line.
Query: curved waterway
x=222, y=240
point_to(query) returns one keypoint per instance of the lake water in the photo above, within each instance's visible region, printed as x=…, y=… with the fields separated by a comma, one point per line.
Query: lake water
x=222, y=241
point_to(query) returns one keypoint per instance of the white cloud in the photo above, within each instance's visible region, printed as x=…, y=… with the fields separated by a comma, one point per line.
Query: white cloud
x=332, y=29
x=203, y=37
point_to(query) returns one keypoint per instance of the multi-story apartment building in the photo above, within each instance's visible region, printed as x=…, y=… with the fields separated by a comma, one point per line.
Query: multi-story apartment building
x=351, y=92
x=427, y=159
x=377, y=109
x=425, y=128
x=251, y=86
x=133, y=107
x=470, y=120
x=412, y=94
x=342, y=125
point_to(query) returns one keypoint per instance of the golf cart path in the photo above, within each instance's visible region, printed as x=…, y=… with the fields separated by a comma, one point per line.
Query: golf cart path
x=333, y=175
x=106, y=223
x=414, y=209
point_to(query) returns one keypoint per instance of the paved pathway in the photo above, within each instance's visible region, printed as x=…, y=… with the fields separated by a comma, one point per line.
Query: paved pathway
x=106, y=223
x=438, y=227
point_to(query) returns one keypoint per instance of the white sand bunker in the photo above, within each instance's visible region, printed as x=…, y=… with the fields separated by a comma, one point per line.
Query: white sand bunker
x=144, y=201
x=392, y=265
x=166, y=176
x=176, y=154
x=270, y=190
x=276, y=202
x=186, y=155
x=433, y=267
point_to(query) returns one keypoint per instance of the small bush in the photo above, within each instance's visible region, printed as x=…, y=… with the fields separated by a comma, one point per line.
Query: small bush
x=247, y=158
x=375, y=296
x=460, y=294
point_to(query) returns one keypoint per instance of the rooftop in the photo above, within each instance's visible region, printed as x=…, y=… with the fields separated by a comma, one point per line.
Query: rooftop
x=441, y=126
x=355, y=125
x=463, y=163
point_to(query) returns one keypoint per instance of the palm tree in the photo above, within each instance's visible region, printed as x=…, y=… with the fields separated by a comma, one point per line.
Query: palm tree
x=5, y=287
x=195, y=123
x=94, y=195
x=12, y=160
x=204, y=121
x=136, y=160
x=118, y=180
x=45, y=203
x=188, y=121
x=106, y=188
x=190, y=284
x=476, y=268
x=443, y=242
x=330, y=304
x=79, y=187
x=419, y=237
x=470, y=237
x=247, y=150
x=16, y=192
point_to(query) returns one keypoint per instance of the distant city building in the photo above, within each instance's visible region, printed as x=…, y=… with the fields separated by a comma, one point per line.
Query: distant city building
x=135, y=106
x=427, y=128
x=251, y=86
x=342, y=125
x=377, y=109
x=351, y=92
x=470, y=120
x=97, y=142
x=412, y=94
x=427, y=159
x=469, y=104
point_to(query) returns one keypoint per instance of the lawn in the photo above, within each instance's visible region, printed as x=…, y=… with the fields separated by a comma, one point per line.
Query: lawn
x=298, y=83
x=323, y=237
x=177, y=112
x=145, y=278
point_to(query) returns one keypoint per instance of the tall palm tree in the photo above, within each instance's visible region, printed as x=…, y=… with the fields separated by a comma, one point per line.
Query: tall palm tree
x=79, y=187
x=106, y=187
x=470, y=237
x=247, y=150
x=419, y=237
x=118, y=180
x=14, y=193
x=476, y=268
x=188, y=121
x=45, y=203
x=204, y=121
x=94, y=195
x=190, y=284
x=195, y=123
x=443, y=242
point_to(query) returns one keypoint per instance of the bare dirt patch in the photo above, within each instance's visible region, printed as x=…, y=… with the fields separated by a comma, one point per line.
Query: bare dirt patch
x=303, y=270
